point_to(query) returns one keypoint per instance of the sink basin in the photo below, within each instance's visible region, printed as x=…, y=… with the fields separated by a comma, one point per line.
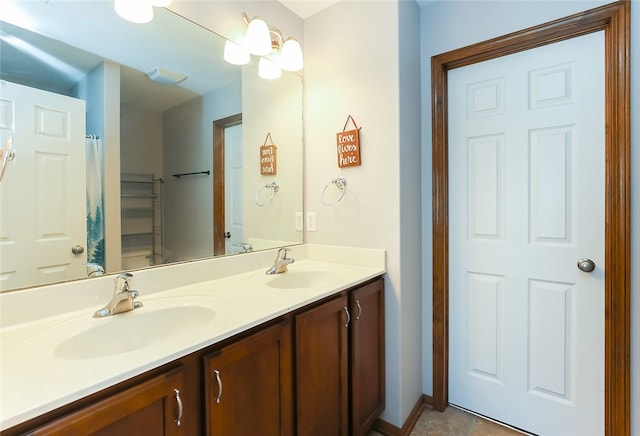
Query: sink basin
x=297, y=278
x=302, y=279
x=132, y=331
x=160, y=319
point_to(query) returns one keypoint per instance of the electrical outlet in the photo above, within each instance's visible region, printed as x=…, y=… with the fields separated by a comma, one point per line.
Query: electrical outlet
x=311, y=221
x=299, y=222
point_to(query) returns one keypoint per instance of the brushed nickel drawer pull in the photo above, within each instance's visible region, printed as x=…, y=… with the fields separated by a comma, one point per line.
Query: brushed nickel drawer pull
x=346, y=310
x=179, y=401
x=359, y=309
x=219, y=380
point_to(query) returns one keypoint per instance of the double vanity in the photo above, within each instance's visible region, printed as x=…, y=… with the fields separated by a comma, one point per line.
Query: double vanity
x=217, y=347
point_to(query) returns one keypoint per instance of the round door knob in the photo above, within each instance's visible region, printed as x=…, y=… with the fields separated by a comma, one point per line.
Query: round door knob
x=586, y=265
x=78, y=249
x=227, y=235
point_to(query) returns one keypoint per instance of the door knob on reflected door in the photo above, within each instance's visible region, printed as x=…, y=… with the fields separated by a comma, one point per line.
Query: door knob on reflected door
x=78, y=249
x=227, y=235
x=586, y=265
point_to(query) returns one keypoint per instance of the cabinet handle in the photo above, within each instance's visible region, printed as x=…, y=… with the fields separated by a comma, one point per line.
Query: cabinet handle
x=179, y=401
x=217, y=373
x=359, y=309
x=346, y=324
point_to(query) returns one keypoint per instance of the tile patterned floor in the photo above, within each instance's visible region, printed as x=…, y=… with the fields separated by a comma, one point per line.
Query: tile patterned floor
x=456, y=422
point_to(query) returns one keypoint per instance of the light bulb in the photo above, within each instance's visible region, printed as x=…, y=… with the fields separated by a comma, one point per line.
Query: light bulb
x=236, y=54
x=291, y=55
x=268, y=69
x=136, y=11
x=258, y=39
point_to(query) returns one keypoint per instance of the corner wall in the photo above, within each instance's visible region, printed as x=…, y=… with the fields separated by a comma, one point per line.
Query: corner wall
x=354, y=66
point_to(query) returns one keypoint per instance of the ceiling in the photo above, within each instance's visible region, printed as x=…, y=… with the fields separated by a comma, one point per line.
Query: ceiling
x=306, y=8
x=74, y=45
x=20, y=66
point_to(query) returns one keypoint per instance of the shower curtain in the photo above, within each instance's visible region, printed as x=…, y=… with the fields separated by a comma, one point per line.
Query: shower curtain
x=95, y=211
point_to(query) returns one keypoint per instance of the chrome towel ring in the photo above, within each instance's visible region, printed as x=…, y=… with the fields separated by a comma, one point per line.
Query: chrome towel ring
x=341, y=184
x=273, y=187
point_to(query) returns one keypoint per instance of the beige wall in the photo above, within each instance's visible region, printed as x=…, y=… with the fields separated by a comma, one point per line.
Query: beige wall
x=354, y=65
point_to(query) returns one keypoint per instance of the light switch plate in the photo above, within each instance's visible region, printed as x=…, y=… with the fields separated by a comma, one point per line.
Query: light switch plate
x=299, y=222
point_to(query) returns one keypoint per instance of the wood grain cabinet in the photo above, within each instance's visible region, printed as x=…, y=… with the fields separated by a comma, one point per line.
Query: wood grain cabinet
x=366, y=365
x=340, y=363
x=248, y=385
x=152, y=407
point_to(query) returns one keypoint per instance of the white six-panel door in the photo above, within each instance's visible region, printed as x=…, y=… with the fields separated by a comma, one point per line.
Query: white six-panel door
x=42, y=193
x=233, y=187
x=526, y=201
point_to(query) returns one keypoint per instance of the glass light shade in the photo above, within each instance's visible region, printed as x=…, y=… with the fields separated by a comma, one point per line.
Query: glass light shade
x=291, y=55
x=136, y=11
x=258, y=38
x=268, y=69
x=161, y=3
x=236, y=54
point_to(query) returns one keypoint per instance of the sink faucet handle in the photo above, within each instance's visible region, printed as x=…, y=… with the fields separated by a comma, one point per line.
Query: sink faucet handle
x=94, y=269
x=125, y=278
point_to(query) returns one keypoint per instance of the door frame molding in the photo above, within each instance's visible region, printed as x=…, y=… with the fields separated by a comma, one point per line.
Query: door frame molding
x=614, y=20
x=218, y=180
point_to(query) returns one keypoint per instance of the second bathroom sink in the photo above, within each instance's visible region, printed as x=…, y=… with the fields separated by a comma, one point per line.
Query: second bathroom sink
x=293, y=279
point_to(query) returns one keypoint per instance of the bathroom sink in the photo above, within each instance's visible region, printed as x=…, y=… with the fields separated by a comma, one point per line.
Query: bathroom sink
x=299, y=276
x=302, y=279
x=132, y=331
x=160, y=319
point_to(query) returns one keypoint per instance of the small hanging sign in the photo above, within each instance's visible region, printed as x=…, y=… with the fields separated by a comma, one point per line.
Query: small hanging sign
x=348, y=145
x=268, y=158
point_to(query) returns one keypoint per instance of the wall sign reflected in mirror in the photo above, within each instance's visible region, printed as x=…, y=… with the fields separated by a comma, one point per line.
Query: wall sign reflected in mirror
x=137, y=104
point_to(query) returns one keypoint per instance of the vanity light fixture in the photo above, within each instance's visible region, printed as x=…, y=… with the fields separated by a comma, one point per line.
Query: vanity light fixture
x=291, y=55
x=267, y=69
x=138, y=11
x=258, y=37
x=236, y=54
x=266, y=41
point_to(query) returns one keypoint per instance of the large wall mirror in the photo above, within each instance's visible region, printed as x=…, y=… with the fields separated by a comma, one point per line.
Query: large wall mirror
x=117, y=165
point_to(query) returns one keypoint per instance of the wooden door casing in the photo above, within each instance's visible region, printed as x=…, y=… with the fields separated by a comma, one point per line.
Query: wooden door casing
x=614, y=19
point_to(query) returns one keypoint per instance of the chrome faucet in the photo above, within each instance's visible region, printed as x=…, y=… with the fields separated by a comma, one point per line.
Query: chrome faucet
x=281, y=262
x=94, y=269
x=244, y=247
x=123, y=298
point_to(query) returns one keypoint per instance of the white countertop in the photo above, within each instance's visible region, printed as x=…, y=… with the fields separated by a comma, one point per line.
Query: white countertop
x=34, y=379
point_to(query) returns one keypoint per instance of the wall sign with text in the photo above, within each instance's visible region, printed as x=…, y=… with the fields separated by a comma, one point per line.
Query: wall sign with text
x=348, y=145
x=268, y=157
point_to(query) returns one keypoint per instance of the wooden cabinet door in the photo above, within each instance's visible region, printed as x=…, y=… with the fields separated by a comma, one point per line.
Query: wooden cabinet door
x=367, y=356
x=322, y=392
x=152, y=407
x=248, y=385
